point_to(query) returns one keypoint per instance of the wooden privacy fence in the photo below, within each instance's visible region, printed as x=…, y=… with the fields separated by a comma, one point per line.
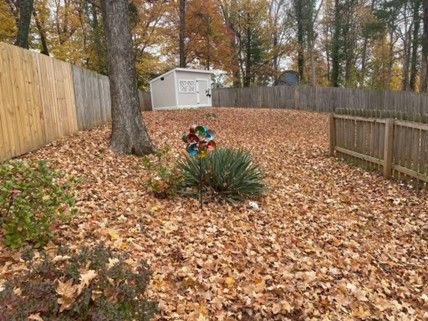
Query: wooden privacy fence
x=43, y=99
x=92, y=96
x=398, y=148
x=36, y=101
x=322, y=99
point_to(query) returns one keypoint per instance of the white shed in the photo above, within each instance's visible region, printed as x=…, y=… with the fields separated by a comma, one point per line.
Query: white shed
x=181, y=88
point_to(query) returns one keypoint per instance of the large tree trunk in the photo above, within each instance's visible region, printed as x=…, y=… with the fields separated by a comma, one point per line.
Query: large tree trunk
x=129, y=135
x=424, y=69
x=182, y=36
x=25, y=11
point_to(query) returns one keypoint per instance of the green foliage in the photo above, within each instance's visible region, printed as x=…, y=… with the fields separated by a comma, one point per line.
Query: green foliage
x=164, y=180
x=113, y=292
x=32, y=200
x=229, y=173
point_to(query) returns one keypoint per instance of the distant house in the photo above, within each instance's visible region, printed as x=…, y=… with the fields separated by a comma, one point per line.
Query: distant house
x=288, y=78
x=182, y=88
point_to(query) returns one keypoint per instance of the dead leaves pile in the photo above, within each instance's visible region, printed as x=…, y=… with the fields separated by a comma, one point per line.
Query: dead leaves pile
x=330, y=242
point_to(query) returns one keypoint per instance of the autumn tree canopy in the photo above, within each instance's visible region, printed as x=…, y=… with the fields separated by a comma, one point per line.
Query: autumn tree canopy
x=347, y=43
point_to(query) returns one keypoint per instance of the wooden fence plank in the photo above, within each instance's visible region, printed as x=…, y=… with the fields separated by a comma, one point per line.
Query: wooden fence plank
x=332, y=134
x=389, y=145
x=400, y=148
x=414, y=105
x=21, y=107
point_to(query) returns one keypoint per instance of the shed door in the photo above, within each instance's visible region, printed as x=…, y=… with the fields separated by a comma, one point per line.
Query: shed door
x=203, y=92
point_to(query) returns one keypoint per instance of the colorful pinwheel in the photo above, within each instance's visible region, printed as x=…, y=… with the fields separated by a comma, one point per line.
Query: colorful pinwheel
x=199, y=141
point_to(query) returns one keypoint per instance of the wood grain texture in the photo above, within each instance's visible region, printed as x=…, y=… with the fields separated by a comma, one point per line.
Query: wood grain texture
x=36, y=101
x=43, y=99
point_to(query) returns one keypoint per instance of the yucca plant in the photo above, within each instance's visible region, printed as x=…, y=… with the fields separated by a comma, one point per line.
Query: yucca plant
x=229, y=173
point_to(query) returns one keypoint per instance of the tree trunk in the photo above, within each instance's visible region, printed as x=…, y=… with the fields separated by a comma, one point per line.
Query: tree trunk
x=405, y=85
x=182, y=36
x=25, y=11
x=406, y=61
x=390, y=60
x=415, y=45
x=424, y=69
x=298, y=7
x=45, y=49
x=233, y=44
x=248, y=60
x=99, y=42
x=364, y=54
x=129, y=135
x=313, y=69
x=335, y=52
x=363, y=63
x=348, y=47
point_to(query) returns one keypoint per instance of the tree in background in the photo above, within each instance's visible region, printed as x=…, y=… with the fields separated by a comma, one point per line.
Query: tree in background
x=249, y=23
x=25, y=12
x=129, y=134
x=424, y=63
x=182, y=33
x=7, y=22
x=208, y=46
x=306, y=16
x=414, y=64
x=329, y=42
x=151, y=29
x=336, y=44
x=40, y=15
x=281, y=41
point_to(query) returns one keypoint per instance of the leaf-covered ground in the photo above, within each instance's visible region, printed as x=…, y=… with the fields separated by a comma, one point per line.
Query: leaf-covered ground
x=330, y=242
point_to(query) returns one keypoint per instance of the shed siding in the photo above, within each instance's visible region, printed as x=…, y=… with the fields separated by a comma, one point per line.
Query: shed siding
x=190, y=99
x=163, y=92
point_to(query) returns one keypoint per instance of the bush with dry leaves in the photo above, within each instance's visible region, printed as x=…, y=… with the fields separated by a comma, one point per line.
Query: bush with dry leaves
x=164, y=180
x=93, y=285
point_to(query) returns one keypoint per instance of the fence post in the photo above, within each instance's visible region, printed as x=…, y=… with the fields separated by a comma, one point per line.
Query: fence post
x=389, y=145
x=332, y=135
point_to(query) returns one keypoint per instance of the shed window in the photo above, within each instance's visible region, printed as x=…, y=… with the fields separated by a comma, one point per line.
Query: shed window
x=186, y=86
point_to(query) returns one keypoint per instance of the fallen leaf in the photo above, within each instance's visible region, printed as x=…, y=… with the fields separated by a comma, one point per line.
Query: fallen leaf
x=85, y=280
x=230, y=281
x=67, y=292
x=35, y=317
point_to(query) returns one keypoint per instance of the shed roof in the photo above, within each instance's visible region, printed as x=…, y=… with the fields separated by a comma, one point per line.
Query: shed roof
x=200, y=71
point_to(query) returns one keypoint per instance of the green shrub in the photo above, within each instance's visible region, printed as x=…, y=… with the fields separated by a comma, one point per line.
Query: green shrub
x=32, y=200
x=94, y=284
x=229, y=173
